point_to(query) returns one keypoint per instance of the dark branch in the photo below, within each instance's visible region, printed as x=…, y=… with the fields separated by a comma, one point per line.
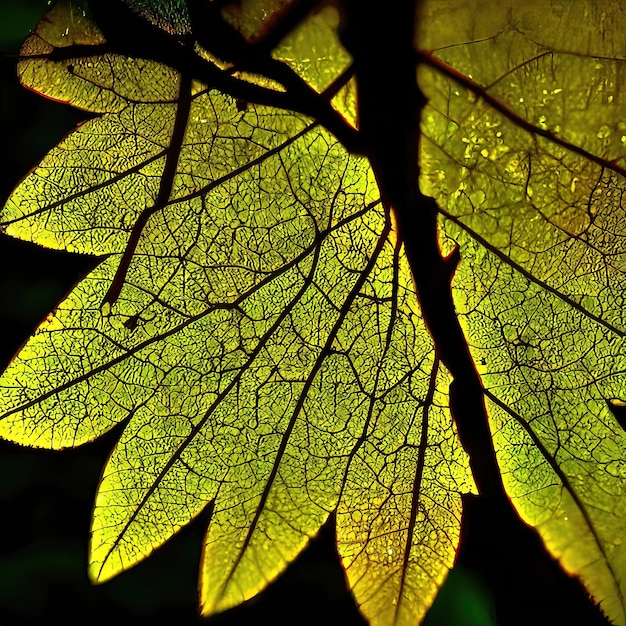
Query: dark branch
x=128, y=34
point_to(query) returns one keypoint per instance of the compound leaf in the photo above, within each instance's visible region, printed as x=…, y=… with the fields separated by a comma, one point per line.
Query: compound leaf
x=253, y=327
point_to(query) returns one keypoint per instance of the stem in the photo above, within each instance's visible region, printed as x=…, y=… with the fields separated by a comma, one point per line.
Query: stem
x=390, y=104
x=165, y=189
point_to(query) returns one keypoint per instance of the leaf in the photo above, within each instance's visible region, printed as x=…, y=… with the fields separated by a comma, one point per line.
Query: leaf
x=541, y=226
x=253, y=326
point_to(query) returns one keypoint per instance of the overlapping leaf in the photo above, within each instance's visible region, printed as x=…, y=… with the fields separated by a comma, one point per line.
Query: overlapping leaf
x=542, y=231
x=253, y=325
x=265, y=350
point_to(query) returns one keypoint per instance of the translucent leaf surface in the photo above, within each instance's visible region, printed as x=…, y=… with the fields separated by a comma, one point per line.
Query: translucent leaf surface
x=253, y=327
x=541, y=227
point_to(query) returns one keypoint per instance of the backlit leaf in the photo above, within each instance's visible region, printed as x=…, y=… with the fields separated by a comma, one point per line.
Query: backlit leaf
x=253, y=326
x=542, y=232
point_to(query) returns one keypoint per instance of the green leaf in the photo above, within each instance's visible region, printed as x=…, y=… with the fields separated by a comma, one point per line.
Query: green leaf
x=169, y=15
x=253, y=326
x=541, y=226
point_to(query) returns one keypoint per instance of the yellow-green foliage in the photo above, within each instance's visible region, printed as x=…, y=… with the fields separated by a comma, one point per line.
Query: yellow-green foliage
x=266, y=351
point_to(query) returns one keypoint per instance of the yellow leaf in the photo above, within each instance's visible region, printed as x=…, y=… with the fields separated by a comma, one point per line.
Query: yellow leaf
x=253, y=326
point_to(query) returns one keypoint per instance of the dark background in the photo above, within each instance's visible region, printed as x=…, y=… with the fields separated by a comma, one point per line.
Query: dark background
x=46, y=497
